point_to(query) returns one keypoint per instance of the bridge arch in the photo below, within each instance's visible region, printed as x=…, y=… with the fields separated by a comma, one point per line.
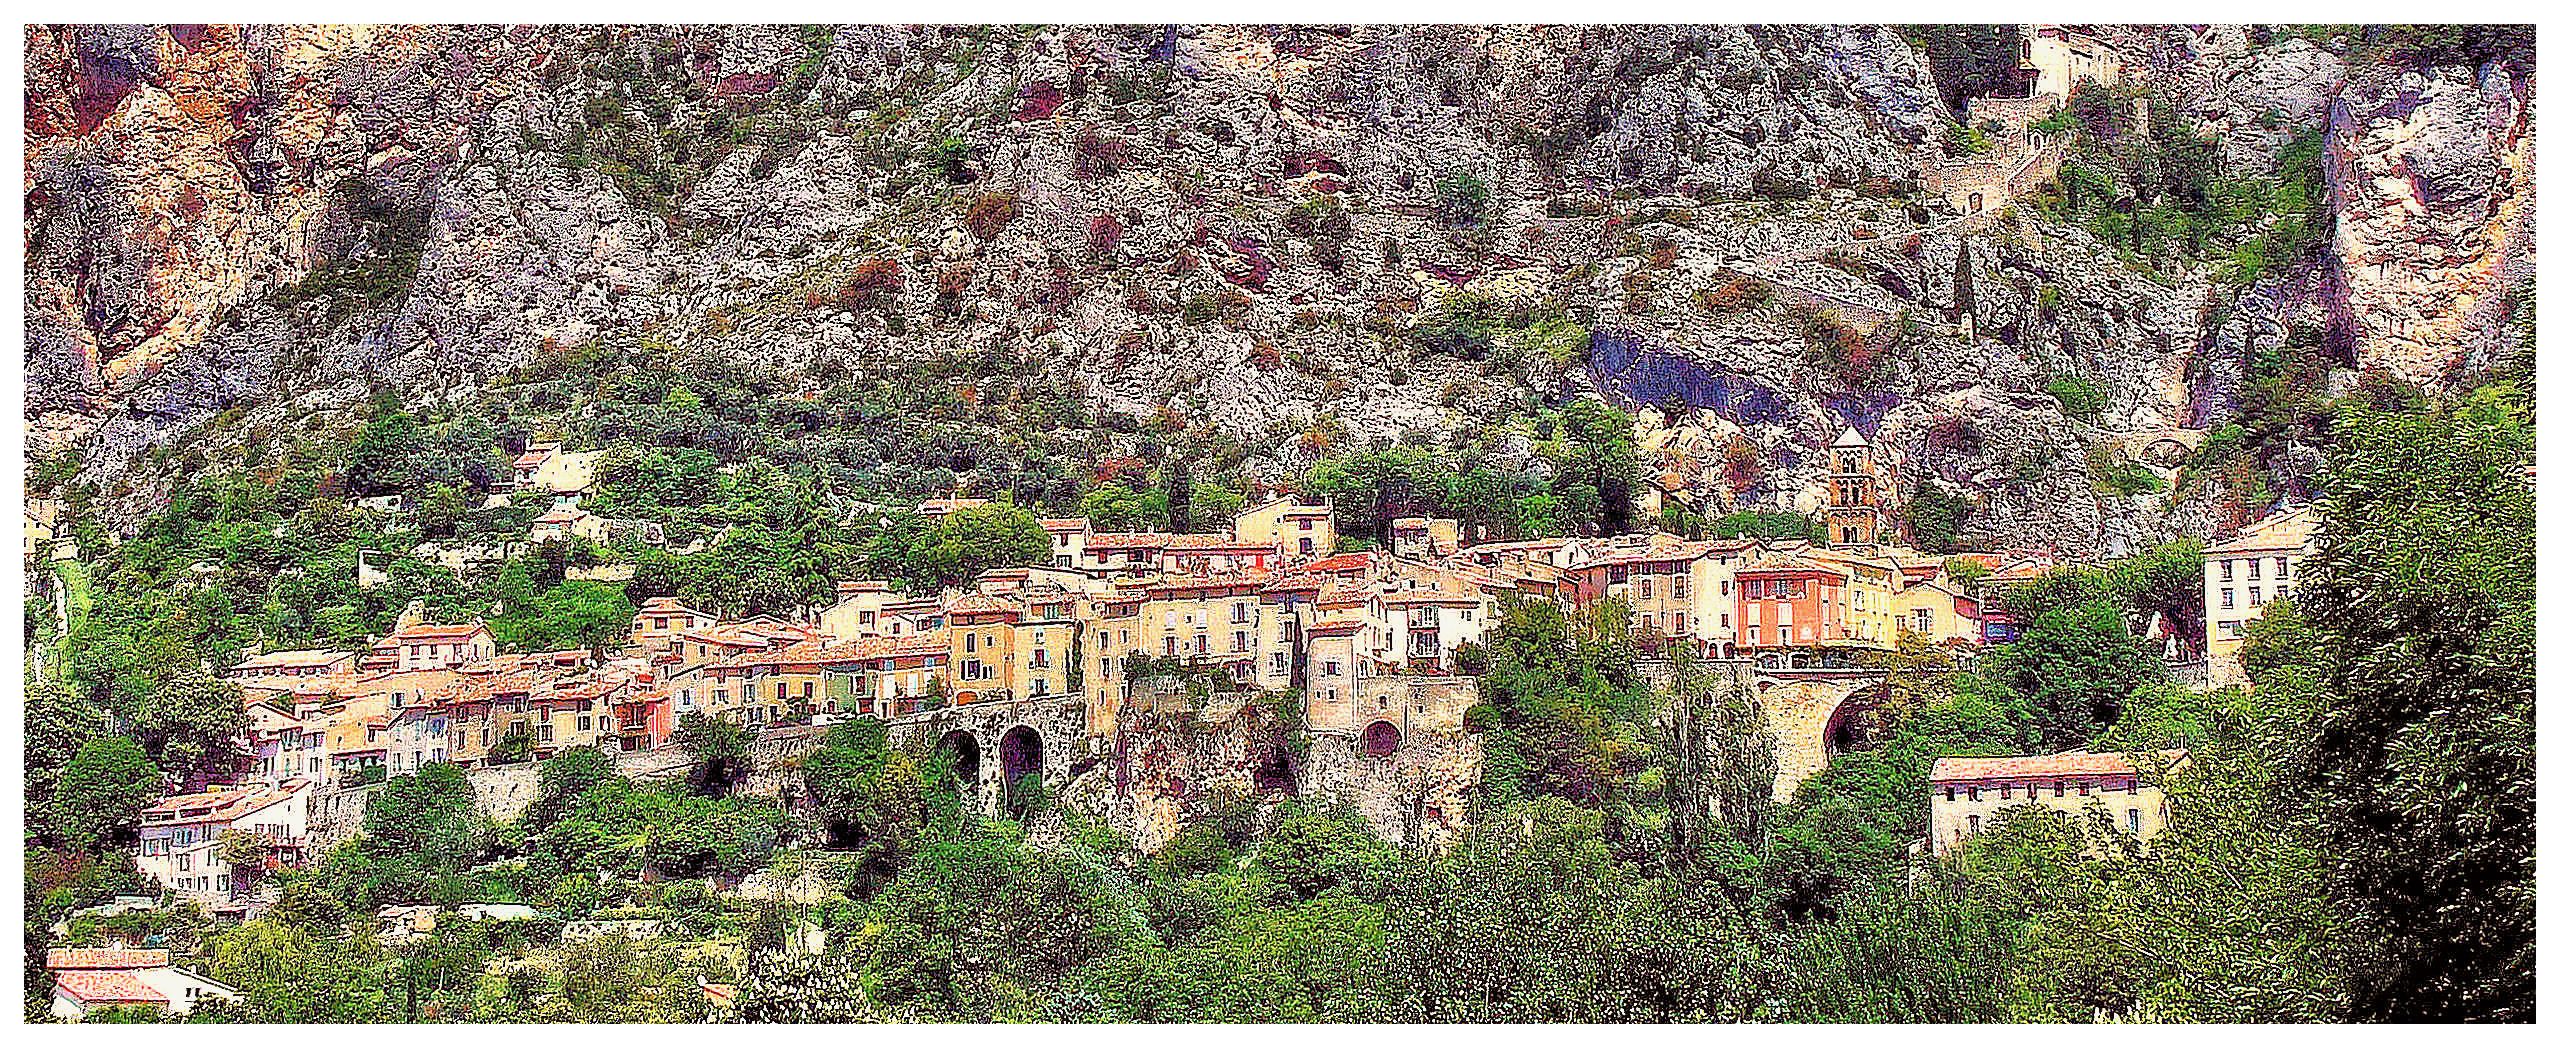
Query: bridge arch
x=1816, y=715
x=1022, y=752
x=961, y=749
x=1851, y=725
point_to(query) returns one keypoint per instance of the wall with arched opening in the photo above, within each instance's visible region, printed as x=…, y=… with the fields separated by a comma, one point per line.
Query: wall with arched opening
x=961, y=750
x=1381, y=739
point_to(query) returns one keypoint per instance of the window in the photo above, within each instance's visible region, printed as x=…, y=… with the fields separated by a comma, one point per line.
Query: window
x=1236, y=613
x=1644, y=589
x=2226, y=571
x=1238, y=641
x=2254, y=599
x=2084, y=788
x=968, y=643
x=2004, y=791
x=1973, y=825
x=2284, y=569
x=1724, y=587
x=2133, y=820
x=1680, y=622
x=1973, y=793
x=1332, y=668
x=2255, y=564
x=1680, y=587
x=1920, y=619
x=2226, y=597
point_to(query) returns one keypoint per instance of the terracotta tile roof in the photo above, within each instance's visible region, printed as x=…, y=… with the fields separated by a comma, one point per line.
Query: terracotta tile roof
x=115, y=987
x=1166, y=540
x=293, y=659
x=2077, y=762
x=1338, y=563
x=1066, y=524
x=424, y=632
x=1790, y=566
x=532, y=458
x=105, y=958
x=979, y=603
x=223, y=805
x=1188, y=583
x=2288, y=530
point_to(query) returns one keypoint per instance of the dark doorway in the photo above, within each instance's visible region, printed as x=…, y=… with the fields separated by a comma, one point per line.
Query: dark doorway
x=1381, y=740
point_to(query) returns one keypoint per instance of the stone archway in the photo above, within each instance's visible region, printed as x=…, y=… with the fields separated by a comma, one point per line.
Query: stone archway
x=1813, y=717
x=1022, y=753
x=1851, y=724
x=1381, y=739
x=961, y=749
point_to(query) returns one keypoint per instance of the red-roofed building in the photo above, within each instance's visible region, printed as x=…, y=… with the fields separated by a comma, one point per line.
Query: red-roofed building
x=1787, y=602
x=86, y=981
x=181, y=836
x=2123, y=790
x=1295, y=527
x=661, y=619
x=427, y=646
x=1067, y=536
x=286, y=664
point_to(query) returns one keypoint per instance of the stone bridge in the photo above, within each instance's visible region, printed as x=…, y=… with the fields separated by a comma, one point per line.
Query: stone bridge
x=1813, y=710
x=1814, y=713
x=996, y=743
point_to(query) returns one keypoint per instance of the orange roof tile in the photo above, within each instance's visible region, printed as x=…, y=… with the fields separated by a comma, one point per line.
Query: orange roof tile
x=2077, y=762
x=105, y=958
x=116, y=987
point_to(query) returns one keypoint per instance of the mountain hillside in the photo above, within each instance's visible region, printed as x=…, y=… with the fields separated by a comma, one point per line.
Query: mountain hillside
x=1065, y=245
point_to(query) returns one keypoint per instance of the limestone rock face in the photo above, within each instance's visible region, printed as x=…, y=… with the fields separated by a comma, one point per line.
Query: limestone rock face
x=2434, y=177
x=1250, y=226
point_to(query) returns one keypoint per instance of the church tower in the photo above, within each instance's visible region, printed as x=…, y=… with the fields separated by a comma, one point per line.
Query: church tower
x=1851, y=514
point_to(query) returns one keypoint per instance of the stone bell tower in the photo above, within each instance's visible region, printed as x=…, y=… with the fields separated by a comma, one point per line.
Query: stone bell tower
x=1851, y=514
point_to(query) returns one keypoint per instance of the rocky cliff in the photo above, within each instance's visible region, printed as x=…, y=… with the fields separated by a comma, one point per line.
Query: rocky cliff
x=1252, y=228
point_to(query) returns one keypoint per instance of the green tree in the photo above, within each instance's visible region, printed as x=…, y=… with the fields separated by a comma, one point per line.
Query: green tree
x=191, y=722
x=2076, y=666
x=385, y=457
x=440, y=511
x=101, y=793
x=970, y=541
x=426, y=821
x=868, y=798
x=719, y=751
x=2423, y=591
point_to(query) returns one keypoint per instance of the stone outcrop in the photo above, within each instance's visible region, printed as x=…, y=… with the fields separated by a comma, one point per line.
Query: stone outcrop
x=1248, y=225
